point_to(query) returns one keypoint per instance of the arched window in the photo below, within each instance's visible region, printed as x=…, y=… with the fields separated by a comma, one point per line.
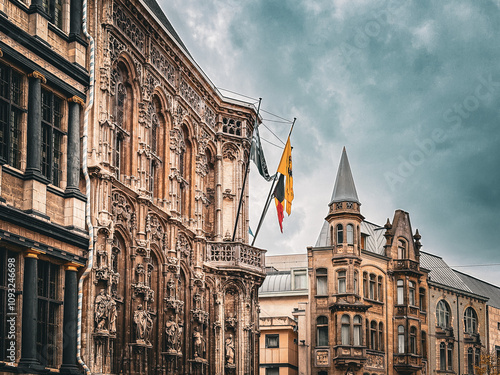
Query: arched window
x=340, y=234
x=350, y=234
x=443, y=314
x=356, y=282
x=373, y=335
x=470, y=320
x=345, y=330
x=357, y=330
x=321, y=282
x=411, y=289
x=322, y=331
x=401, y=249
x=413, y=340
x=401, y=292
x=341, y=282
x=122, y=116
x=401, y=339
x=381, y=336
x=442, y=356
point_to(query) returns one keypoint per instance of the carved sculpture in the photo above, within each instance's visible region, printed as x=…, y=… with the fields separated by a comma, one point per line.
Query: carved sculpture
x=104, y=312
x=198, y=343
x=171, y=334
x=229, y=350
x=144, y=324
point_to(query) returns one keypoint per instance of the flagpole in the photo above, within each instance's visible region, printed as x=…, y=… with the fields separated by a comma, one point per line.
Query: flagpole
x=268, y=201
x=245, y=178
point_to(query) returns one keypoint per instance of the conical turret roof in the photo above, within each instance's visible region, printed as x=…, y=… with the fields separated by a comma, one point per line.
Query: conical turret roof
x=344, y=190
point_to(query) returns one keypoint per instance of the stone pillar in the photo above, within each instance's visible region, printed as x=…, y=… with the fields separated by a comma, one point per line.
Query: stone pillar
x=73, y=176
x=69, y=365
x=75, y=20
x=34, y=124
x=29, y=319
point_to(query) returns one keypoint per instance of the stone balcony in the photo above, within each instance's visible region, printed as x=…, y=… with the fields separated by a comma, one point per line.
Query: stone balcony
x=407, y=363
x=231, y=255
x=407, y=265
x=350, y=356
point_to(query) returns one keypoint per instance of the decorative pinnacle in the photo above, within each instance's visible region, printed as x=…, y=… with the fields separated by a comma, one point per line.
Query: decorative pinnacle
x=388, y=225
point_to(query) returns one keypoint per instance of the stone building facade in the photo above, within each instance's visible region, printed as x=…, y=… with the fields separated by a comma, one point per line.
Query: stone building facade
x=376, y=303
x=171, y=289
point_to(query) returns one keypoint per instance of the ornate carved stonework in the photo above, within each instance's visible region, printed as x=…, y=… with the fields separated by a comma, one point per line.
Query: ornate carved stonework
x=122, y=211
x=123, y=22
x=162, y=63
x=190, y=96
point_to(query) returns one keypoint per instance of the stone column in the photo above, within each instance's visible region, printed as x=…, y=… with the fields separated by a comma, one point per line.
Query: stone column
x=73, y=176
x=34, y=124
x=29, y=319
x=75, y=20
x=69, y=365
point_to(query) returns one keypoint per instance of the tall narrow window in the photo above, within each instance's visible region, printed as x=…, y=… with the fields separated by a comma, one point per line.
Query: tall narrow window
x=421, y=299
x=443, y=314
x=373, y=335
x=300, y=279
x=372, y=287
x=52, y=134
x=380, y=293
x=356, y=282
x=322, y=331
x=401, y=339
x=411, y=289
x=424, y=344
x=401, y=249
x=321, y=282
x=10, y=116
x=340, y=234
x=450, y=356
x=350, y=234
x=470, y=361
x=357, y=330
x=413, y=340
x=48, y=305
x=345, y=330
x=341, y=277
x=365, y=285
x=470, y=321
x=477, y=357
x=442, y=356
x=401, y=292
x=381, y=336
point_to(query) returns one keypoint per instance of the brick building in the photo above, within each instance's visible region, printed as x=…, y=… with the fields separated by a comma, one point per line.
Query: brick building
x=171, y=289
x=379, y=305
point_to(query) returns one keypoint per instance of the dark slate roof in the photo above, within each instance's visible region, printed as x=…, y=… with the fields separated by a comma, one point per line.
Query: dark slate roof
x=482, y=288
x=158, y=12
x=344, y=190
x=441, y=273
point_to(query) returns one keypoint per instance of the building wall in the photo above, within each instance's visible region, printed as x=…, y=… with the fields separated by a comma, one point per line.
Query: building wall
x=285, y=356
x=493, y=328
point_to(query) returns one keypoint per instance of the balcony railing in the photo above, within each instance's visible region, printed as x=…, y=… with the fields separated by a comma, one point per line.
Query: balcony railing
x=406, y=265
x=349, y=355
x=407, y=362
x=236, y=254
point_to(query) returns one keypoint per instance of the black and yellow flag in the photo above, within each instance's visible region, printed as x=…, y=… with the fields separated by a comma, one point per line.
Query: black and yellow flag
x=285, y=168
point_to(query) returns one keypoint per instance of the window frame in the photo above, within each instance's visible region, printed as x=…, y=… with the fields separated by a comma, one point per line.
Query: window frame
x=322, y=326
x=11, y=101
x=322, y=274
x=341, y=281
x=443, y=314
x=400, y=292
x=350, y=234
x=411, y=293
x=272, y=340
x=401, y=339
x=470, y=321
x=340, y=234
x=297, y=273
x=345, y=330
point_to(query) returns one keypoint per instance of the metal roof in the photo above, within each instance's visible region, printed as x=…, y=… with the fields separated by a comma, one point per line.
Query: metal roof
x=277, y=282
x=482, y=288
x=441, y=273
x=344, y=189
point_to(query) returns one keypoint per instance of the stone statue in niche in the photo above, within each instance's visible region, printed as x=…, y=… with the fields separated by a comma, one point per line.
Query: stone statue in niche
x=102, y=310
x=143, y=325
x=179, y=338
x=171, y=329
x=198, y=343
x=229, y=350
x=112, y=316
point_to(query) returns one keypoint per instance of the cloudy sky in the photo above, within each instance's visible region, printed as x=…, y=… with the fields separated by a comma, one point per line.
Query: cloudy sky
x=410, y=88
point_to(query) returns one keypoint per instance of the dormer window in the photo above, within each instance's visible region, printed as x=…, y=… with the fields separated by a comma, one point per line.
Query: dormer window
x=340, y=234
x=350, y=234
x=401, y=249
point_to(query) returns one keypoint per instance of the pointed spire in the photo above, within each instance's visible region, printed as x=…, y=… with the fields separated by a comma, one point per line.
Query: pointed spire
x=344, y=190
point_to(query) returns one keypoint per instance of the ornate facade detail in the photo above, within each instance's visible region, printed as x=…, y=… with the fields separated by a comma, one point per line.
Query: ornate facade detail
x=105, y=313
x=183, y=247
x=190, y=96
x=149, y=85
x=209, y=117
x=162, y=63
x=143, y=326
x=155, y=229
x=122, y=211
x=123, y=22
